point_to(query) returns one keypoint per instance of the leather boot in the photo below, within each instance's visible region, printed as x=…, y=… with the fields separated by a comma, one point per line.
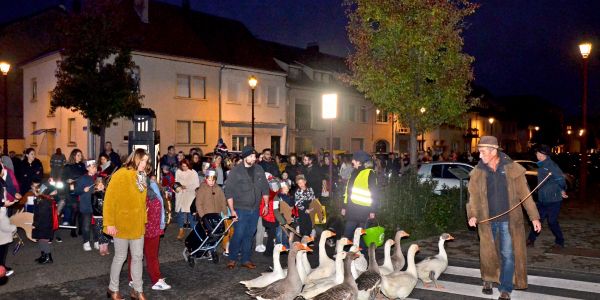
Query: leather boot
x=113, y=295
x=181, y=234
x=137, y=295
x=46, y=259
x=39, y=259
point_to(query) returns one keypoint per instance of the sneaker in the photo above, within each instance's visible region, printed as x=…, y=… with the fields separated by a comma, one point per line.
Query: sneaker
x=131, y=284
x=87, y=247
x=161, y=285
x=65, y=223
x=9, y=271
x=58, y=239
x=260, y=248
x=96, y=245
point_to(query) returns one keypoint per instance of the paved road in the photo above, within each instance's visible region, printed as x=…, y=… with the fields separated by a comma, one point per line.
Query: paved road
x=83, y=275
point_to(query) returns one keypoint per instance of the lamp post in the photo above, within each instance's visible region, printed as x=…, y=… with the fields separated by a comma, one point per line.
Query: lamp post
x=4, y=68
x=585, y=49
x=329, y=111
x=491, y=120
x=252, y=82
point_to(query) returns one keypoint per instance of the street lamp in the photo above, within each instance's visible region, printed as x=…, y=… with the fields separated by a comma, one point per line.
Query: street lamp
x=4, y=68
x=537, y=128
x=252, y=82
x=585, y=49
x=491, y=120
x=329, y=112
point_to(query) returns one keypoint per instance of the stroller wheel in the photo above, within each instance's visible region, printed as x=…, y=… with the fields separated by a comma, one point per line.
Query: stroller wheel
x=215, y=257
x=186, y=254
x=191, y=261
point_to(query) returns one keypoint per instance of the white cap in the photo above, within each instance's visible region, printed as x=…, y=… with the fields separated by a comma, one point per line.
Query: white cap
x=90, y=162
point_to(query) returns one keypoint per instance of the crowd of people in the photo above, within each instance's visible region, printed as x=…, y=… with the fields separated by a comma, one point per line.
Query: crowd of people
x=261, y=191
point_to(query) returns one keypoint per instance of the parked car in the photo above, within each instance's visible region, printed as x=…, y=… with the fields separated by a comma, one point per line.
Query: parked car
x=531, y=173
x=440, y=172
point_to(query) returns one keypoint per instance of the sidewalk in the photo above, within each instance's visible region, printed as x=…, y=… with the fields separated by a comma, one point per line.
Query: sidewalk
x=580, y=222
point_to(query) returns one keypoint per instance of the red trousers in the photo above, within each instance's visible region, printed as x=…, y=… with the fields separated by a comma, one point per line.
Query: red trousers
x=151, y=256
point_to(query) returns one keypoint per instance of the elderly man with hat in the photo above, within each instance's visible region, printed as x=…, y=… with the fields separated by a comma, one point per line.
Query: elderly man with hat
x=361, y=196
x=550, y=195
x=245, y=188
x=497, y=184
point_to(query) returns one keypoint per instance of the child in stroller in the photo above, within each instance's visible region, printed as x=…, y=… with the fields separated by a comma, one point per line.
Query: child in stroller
x=204, y=240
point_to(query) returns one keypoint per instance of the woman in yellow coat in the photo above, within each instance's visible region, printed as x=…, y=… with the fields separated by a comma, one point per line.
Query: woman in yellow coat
x=124, y=215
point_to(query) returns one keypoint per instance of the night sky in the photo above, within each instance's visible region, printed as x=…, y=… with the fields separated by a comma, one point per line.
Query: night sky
x=521, y=47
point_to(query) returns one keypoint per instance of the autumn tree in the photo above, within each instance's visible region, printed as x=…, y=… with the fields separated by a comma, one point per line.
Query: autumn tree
x=96, y=75
x=409, y=60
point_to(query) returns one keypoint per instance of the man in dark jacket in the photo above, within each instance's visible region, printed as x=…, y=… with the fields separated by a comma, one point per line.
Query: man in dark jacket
x=550, y=195
x=315, y=176
x=245, y=187
x=268, y=164
x=361, y=196
x=115, y=159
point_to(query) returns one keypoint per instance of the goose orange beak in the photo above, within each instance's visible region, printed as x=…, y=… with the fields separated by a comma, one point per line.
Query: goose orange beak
x=363, y=231
x=307, y=248
x=450, y=237
x=349, y=242
x=332, y=234
x=404, y=234
x=284, y=249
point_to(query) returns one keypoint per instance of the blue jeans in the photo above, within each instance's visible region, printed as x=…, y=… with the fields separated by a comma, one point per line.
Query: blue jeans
x=501, y=232
x=243, y=234
x=550, y=211
x=351, y=225
x=183, y=216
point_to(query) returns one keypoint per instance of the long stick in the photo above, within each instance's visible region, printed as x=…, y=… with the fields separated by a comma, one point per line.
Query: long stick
x=520, y=202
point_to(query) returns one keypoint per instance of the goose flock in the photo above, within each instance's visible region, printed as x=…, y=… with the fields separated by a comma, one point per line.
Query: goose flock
x=349, y=275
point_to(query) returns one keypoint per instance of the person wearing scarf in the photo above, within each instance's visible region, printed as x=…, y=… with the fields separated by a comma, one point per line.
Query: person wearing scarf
x=124, y=218
x=154, y=229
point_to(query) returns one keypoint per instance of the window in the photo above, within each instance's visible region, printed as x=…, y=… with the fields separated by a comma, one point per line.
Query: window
x=303, y=116
x=404, y=130
x=239, y=141
x=71, y=132
x=33, y=133
x=190, y=132
x=191, y=87
x=351, y=113
x=34, y=90
x=336, y=143
x=272, y=96
x=275, y=144
x=356, y=144
x=363, y=114
x=232, y=91
x=382, y=116
x=50, y=112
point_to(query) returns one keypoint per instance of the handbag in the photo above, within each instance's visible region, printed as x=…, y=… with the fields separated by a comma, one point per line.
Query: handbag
x=375, y=234
x=318, y=207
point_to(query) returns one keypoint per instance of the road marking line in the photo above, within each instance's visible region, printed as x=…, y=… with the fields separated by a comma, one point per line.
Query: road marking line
x=475, y=291
x=567, y=284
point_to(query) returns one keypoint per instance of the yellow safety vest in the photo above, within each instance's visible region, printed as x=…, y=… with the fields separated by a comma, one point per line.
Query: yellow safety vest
x=361, y=195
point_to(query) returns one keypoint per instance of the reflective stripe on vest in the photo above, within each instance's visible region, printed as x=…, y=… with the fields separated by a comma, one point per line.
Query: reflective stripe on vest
x=361, y=195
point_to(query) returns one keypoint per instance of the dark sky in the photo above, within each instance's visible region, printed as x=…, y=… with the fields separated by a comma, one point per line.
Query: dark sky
x=520, y=46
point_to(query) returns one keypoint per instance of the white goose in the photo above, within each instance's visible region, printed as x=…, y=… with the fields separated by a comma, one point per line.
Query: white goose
x=387, y=266
x=269, y=277
x=346, y=290
x=401, y=283
x=398, y=258
x=360, y=263
x=304, y=257
x=339, y=249
x=430, y=269
x=326, y=283
x=326, y=265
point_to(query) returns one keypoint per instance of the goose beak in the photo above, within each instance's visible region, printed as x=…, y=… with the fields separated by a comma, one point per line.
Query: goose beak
x=450, y=237
x=307, y=248
x=392, y=242
x=363, y=231
x=348, y=242
x=311, y=239
x=332, y=234
x=283, y=249
x=404, y=234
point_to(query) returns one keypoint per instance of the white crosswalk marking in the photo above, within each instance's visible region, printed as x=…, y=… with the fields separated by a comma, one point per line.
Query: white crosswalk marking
x=475, y=291
x=583, y=286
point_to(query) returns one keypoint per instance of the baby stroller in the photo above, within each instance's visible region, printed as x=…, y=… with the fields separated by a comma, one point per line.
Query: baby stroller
x=202, y=242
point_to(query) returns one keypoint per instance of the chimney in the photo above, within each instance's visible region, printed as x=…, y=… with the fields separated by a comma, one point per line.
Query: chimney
x=312, y=47
x=141, y=8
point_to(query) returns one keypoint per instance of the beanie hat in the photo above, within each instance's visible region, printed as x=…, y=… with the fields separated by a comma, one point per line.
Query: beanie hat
x=247, y=151
x=361, y=156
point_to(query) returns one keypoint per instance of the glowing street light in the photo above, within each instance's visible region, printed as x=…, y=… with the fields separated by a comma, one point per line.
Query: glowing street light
x=329, y=111
x=585, y=49
x=4, y=68
x=537, y=128
x=252, y=82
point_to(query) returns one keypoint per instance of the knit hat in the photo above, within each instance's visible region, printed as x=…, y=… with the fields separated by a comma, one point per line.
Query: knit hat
x=489, y=141
x=361, y=156
x=90, y=163
x=544, y=149
x=211, y=173
x=247, y=151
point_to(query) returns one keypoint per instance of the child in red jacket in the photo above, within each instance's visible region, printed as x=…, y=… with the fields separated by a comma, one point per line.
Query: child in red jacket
x=268, y=220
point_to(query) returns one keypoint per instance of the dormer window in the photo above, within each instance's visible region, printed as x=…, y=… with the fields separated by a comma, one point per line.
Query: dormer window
x=295, y=73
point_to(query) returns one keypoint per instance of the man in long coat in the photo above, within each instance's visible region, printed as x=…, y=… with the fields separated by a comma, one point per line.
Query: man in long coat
x=497, y=184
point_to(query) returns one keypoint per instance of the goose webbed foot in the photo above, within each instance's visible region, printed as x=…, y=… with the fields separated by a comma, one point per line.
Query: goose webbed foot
x=435, y=283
